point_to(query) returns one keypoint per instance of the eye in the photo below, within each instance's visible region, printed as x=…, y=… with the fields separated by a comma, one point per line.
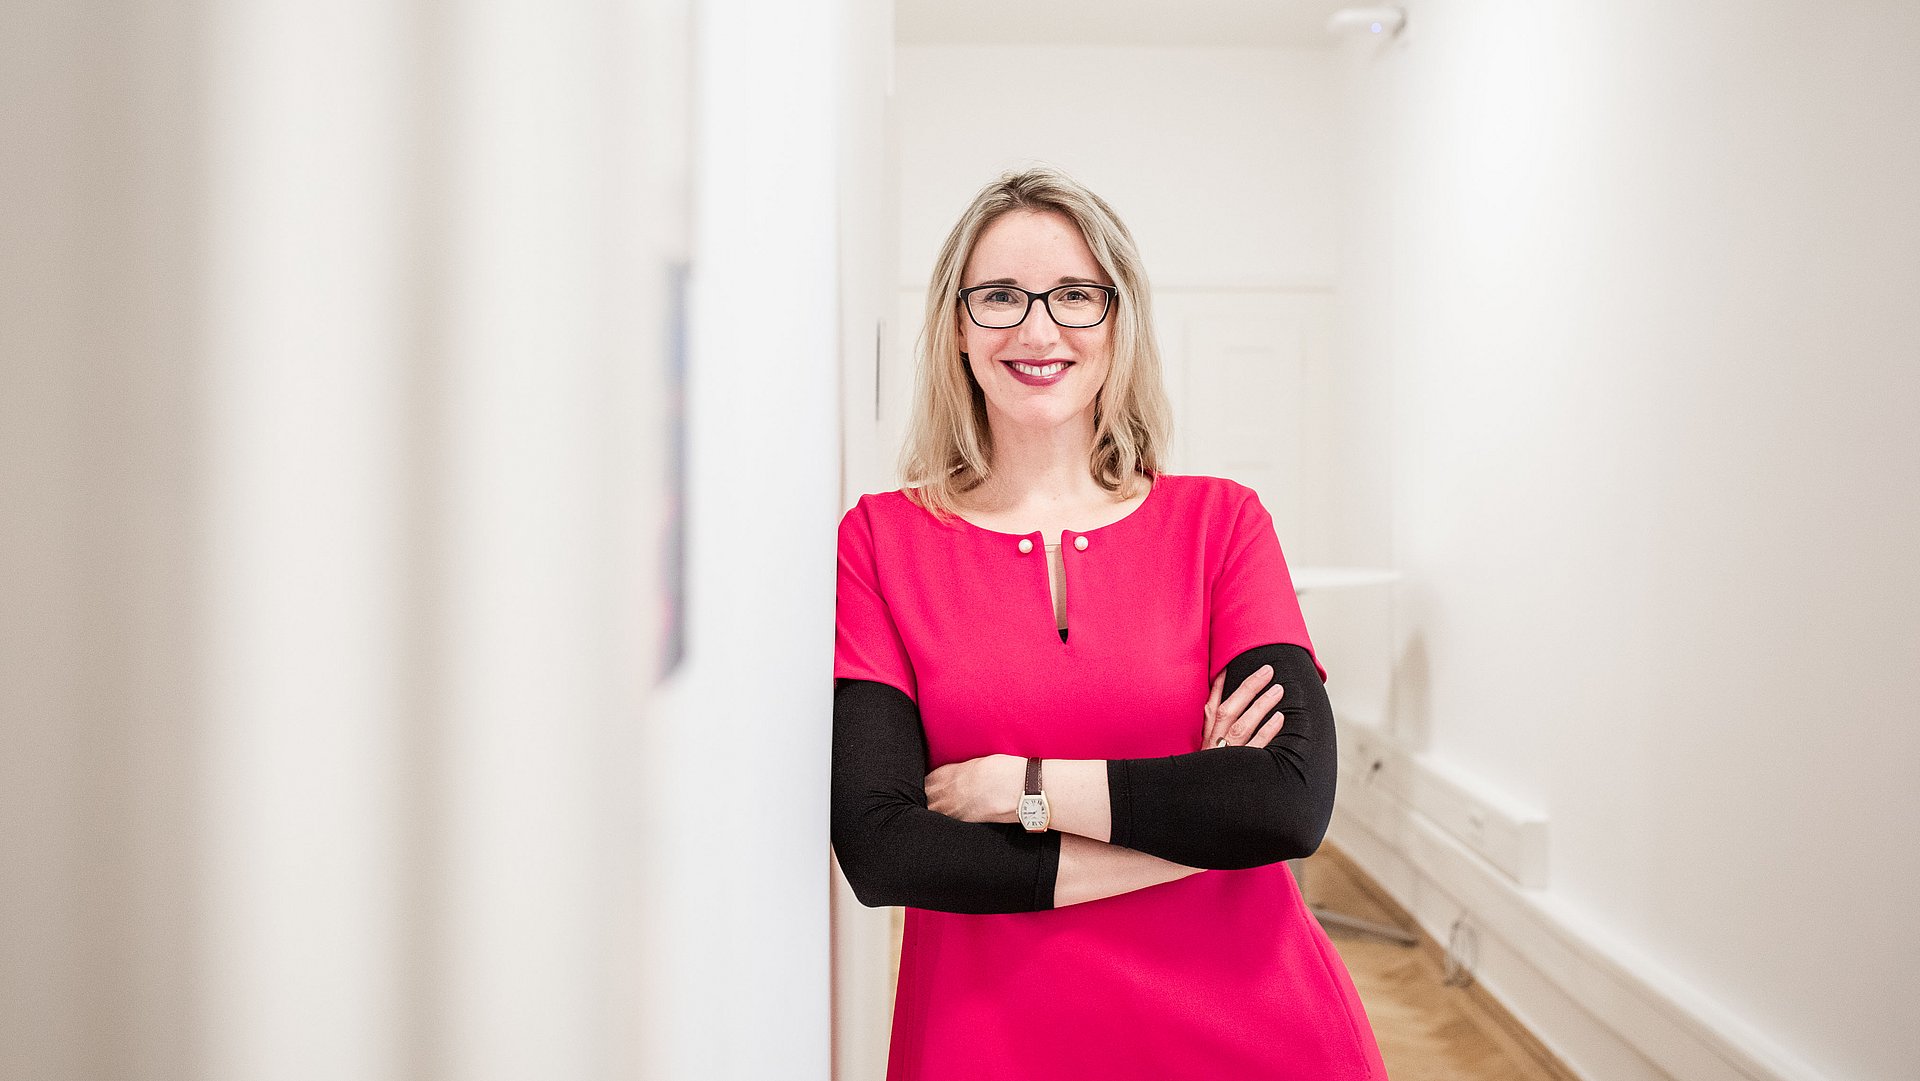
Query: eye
x=996, y=296
x=1074, y=296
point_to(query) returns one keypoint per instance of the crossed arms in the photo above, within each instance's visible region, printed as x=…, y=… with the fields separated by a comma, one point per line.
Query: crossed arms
x=1172, y=816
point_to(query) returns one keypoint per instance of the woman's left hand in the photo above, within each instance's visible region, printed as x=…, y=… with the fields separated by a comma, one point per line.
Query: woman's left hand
x=980, y=789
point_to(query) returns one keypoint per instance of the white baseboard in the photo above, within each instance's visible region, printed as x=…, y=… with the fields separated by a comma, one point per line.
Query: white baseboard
x=1609, y=1012
x=1511, y=837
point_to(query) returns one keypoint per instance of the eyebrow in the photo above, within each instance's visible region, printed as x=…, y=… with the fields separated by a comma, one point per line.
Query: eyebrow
x=1065, y=280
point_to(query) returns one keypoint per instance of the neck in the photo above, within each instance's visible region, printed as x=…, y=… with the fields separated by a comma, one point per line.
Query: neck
x=1042, y=468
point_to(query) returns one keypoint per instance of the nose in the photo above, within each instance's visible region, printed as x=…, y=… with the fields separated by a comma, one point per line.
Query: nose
x=1038, y=328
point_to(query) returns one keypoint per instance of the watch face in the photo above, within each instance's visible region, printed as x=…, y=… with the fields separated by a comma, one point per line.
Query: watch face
x=1033, y=812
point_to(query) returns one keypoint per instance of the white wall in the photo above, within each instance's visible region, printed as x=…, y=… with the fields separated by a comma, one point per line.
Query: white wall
x=738, y=940
x=870, y=228
x=1218, y=159
x=1640, y=279
x=863, y=980
x=97, y=541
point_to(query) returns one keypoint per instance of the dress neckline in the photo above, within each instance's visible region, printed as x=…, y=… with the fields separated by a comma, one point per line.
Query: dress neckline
x=1153, y=490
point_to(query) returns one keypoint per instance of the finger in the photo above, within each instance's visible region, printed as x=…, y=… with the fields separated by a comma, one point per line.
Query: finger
x=941, y=804
x=1247, y=690
x=1268, y=731
x=1212, y=709
x=936, y=789
x=1243, y=725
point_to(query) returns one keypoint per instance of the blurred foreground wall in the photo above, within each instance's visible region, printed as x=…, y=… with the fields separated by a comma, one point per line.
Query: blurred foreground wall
x=363, y=467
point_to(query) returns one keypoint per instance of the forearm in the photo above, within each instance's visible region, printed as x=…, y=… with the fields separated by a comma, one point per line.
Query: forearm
x=901, y=854
x=1227, y=807
x=892, y=848
x=1077, y=796
x=895, y=851
x=1090, y=870
x=1237, y=807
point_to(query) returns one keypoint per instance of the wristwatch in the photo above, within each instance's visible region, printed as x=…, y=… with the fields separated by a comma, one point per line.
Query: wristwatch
x=1034, y=812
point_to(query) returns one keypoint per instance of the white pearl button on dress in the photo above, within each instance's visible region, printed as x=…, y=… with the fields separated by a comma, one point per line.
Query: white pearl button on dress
x=1025, y=546
x=1080, y=543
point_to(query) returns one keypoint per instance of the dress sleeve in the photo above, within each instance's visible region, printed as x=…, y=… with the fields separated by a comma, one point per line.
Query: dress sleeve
x=1250, y=591
x=866, y=640
x=893, y=849
x=1234, y=807
x=896, y=851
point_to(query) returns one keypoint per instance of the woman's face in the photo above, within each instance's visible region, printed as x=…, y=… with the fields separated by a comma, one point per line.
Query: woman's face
x=1035, y=250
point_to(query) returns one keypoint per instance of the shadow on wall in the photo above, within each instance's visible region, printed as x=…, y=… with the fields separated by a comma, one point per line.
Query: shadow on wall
x=1409, y=717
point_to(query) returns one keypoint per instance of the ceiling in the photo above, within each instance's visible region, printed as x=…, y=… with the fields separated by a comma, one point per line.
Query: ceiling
x=1114, y=22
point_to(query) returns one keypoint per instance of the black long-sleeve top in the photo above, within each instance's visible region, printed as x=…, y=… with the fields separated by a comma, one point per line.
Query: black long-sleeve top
x=1226, y=807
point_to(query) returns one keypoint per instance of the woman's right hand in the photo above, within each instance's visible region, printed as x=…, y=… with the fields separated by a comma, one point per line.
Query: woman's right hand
x=1234, y=719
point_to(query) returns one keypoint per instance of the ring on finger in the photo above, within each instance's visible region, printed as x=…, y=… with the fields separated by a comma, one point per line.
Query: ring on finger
x=1219, y=743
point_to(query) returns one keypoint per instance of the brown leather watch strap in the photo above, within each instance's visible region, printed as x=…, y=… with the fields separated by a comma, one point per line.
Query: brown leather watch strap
x=1033, y=776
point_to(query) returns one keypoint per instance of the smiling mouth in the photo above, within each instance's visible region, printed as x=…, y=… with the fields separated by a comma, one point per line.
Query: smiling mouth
x=1041, y=371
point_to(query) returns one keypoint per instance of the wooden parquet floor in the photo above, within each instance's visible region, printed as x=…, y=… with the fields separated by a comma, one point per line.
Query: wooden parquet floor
x=1428, y=1031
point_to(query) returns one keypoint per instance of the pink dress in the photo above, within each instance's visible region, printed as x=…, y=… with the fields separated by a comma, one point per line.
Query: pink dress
x=1220, y=975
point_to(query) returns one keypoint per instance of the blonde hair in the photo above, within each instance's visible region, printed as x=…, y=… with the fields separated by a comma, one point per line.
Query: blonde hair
x=949, y=445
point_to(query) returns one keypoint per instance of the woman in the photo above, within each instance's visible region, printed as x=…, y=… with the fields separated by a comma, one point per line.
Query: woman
x=1092, y=866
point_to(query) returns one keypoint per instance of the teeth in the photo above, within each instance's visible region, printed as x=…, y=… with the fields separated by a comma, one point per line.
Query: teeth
x=1050, y=369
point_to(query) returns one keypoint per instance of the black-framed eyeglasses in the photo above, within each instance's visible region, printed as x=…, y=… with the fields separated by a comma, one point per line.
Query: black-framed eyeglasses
x=1077, y=305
